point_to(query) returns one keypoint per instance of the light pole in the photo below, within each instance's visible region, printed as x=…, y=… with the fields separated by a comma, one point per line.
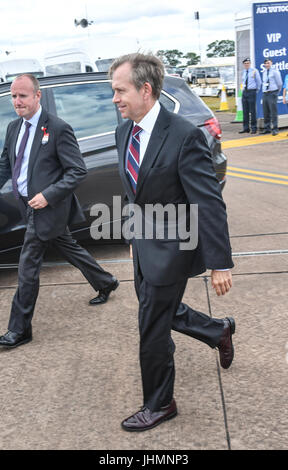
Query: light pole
x=197, y=17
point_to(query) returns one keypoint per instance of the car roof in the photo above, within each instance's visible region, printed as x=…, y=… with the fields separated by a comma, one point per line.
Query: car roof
x=176, y=86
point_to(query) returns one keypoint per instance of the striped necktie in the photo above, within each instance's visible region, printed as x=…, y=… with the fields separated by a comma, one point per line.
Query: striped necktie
x=133, y=161
x=19, y=158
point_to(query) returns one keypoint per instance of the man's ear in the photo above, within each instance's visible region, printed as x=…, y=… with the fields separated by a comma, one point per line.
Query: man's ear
x=147, y=88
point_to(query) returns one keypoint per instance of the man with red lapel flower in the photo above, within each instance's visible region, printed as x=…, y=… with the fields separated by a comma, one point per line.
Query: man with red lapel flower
x=42, y=156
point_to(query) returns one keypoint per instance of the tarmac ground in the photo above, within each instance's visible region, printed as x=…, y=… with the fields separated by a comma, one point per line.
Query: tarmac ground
x=70, y=388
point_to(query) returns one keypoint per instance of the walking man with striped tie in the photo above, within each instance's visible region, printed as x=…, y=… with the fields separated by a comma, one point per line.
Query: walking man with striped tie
x=164, y=159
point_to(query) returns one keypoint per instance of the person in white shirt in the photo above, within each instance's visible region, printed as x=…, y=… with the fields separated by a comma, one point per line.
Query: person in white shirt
x=272, y=85
x=165, y=159
x=251, y=84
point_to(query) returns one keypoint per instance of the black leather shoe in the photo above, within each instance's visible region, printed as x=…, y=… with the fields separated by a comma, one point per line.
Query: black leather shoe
x=12, y=340
x=254, y=132
x=103, y=295
x=265, y=132
x=225, y=346
x=275, y=132
x=244, y=131
x=146, y=419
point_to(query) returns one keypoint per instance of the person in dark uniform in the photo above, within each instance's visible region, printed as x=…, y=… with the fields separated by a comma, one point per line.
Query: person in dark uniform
x=272, y=85
x=251, y=84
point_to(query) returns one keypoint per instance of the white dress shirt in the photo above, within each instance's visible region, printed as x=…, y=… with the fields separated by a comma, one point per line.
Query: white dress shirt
x=147, y=124
x=22, y=180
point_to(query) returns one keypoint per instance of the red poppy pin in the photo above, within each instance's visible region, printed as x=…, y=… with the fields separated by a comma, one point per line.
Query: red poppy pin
x=45, y=137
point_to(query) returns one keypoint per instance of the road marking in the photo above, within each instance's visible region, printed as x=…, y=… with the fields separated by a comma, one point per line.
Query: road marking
x=257, y=175
x=261, y=139
x=257, y=172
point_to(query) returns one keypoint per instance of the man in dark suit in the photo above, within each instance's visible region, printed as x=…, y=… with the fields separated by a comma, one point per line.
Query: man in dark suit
x=42, y=156
x=171, y=164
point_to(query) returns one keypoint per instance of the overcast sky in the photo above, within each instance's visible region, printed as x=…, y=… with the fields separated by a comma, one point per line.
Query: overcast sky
x=120, y=26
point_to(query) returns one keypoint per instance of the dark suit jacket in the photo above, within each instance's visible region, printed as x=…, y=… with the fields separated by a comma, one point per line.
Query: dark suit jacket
x=177, y=168
x=55, y=169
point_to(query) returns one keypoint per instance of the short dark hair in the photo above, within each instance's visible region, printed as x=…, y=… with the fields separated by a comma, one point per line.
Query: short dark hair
x=268, y=60
x=35, y=82
x=145, y=68
x=246, y=60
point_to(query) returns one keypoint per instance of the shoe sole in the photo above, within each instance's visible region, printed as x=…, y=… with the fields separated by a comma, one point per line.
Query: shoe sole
x=232, y=325
x=150, y=427
x=7, y=346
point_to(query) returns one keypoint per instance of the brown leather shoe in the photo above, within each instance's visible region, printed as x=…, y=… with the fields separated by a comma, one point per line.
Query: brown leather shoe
x=146, y=419
x=225, y=346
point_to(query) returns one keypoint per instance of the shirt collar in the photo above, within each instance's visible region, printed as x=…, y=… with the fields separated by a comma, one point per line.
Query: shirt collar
x=148, y=122
x=34, y=120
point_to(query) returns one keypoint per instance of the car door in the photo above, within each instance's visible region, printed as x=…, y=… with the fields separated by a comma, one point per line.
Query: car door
x=87, y=106
x=11, y=224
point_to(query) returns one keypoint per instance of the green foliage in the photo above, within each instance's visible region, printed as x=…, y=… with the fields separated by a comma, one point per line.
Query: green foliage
x=170, y=56
x=193, y=58
x=223, y=48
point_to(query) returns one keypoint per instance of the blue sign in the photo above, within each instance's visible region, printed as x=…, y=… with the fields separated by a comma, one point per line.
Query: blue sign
x=270, y=22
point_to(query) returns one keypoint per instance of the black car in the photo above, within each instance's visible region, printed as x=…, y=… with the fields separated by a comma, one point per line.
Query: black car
x=85, y=102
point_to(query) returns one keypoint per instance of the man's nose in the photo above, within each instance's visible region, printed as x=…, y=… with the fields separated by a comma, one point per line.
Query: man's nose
x=115, y=97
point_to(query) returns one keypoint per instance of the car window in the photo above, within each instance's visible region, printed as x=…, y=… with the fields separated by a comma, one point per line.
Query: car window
x=167, y=102
x=87, y=107
x=67, y=67
x=7, y=114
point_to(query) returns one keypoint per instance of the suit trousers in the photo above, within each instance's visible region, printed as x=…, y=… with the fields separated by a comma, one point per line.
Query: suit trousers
x=30, y=262
x=270, y=110
x=160, y=311
x=249, y=109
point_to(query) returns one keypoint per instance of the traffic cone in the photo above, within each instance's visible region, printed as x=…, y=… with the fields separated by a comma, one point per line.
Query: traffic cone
x=224, y=105
x=239, y=113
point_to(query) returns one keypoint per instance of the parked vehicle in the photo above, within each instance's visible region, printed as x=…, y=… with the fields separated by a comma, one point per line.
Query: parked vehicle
x=15, y=65
x=187, y=73
x=103, y=65
x=85, y=101
x=63, y=61
x=208, y=79
x=169, y=70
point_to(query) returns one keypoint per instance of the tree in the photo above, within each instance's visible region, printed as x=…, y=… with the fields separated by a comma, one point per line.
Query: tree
x=170, y=56
x=193, y=58
x=223, y=48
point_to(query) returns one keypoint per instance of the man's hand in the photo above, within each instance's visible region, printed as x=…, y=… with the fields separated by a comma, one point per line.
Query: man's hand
x=38, y=202
x=221, y=281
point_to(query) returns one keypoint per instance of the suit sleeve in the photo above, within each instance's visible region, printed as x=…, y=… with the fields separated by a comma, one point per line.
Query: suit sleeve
x=71, y=160
x=200, y=184
x=5, y=167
